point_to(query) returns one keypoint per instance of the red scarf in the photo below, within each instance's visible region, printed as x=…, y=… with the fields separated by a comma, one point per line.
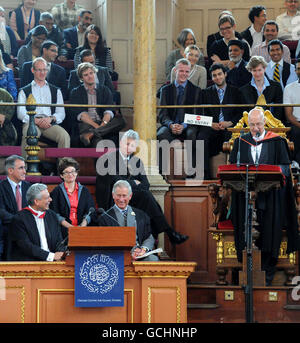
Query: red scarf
x=35, y=213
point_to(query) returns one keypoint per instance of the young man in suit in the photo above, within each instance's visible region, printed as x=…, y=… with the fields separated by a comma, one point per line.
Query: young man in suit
x=219, y=93
x=56, y=74
x=122, y=164
x=74, y=36
x=94, y=124
x=35, y=232
x=12, y=197
x=123, y=214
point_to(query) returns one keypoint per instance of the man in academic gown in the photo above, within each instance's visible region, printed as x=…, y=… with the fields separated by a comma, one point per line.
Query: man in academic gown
x=275, y=208
x=35, y=231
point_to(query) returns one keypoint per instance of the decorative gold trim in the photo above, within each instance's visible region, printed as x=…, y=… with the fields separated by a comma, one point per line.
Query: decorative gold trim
x=178, y=298
x=229, y=250
x=22, y=300
x=131, y=290
x=219, y=248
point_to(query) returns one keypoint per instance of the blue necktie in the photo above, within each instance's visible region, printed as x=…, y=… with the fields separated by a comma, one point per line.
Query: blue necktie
x=221, y=97
x=180, y=92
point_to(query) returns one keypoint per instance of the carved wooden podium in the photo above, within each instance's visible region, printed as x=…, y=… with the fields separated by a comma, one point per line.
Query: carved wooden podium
x=98, y=237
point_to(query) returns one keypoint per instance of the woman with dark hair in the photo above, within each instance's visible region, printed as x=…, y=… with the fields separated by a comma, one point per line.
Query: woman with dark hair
x=185, y=38
x=24, y=18
x=93, y=40
x=71, y=200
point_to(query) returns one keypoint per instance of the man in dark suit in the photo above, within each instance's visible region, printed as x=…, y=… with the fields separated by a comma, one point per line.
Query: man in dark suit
x=123, y=214
x=56, y=74
x=12, y=198
x=254, y=33
x=179, y=92
x=35, y=231
x=102, y=76
x=260, y=84
x=94, y=124
x=237, y=75
x=123, y=165
x=219, y=93
x=74, y=36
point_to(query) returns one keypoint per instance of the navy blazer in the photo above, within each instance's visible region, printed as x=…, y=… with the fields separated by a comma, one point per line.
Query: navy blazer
x=239, y=76
x=71, y=37
x=56, y=76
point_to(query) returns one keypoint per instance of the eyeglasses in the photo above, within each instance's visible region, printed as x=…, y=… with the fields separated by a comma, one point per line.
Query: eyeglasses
x=292, y=1
x=73, y=172
x=225, y=28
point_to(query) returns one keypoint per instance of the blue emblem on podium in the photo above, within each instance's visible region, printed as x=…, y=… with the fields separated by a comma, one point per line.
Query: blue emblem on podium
x=99, y=278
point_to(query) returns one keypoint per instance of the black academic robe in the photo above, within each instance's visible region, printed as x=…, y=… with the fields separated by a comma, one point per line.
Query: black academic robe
x=25, y=239
x=275, y=208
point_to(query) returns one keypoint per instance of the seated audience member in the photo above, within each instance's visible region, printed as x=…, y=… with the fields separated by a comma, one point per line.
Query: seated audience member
x=55, y=34
x=47, y=119
x=74, y=36
x=35, y=232
x=8, y=38
x=270, y=31
x=185, y=38
x=260, y=84
x=291, y=95
x=32, y=50
x=56, y=74
x=288, y=21
x=6, y=58
x=219, y=93
x=254, y=33
x=24, y=18
x=198, y=74
x=8, y=133
x=102, y=76
x=94, y=124
x=7, y=80
x=216, y=36
x=218, y=52
x=277, y=69
x=125, y=215
x=93, y=40
x=12, y=198
x=237, y=75
x=179, y=92
x=122, y=164
x=70, y=199
x=65, y=14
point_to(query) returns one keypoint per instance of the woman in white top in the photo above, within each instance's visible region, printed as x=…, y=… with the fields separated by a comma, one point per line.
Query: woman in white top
x=198, y=74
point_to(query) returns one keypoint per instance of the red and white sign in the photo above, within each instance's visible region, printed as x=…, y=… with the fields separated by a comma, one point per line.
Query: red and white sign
x=193, y=119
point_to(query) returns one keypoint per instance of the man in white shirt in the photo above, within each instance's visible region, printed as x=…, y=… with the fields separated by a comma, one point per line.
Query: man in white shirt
x=277, y=69
x=270, y=31
x=35, y=232
x=47, y=119
x=289, y=21
x=291, y=95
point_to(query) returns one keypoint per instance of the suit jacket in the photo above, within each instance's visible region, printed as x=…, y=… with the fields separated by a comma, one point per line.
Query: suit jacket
x=168, y=96
x=139, y=219
x=273, y=94
x=8, y=204
x=103, y=78
x=232, y=96
x=56, y=76
x=71, y=37
x=239, y=76
x=25, y=239
x=104, y=183
x=246, y=34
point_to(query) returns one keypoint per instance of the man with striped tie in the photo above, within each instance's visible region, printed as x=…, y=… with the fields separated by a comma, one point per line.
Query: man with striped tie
x=277, y=69
x=12, y=197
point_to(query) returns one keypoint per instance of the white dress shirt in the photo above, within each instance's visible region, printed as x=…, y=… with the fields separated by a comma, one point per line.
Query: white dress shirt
x=288, y=26
x=14, y=186
x=256, y=149
x=42, y=95
x=42, y=233
x=291, y=95
x=256, y=36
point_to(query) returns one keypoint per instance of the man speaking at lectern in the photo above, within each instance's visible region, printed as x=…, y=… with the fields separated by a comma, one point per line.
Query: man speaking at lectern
x=275, y=208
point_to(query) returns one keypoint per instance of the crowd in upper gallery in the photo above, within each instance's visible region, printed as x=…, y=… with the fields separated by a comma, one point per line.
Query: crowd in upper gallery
x=41, y=53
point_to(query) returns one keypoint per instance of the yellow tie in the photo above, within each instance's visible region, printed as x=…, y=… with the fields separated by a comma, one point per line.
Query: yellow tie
x=276, y=75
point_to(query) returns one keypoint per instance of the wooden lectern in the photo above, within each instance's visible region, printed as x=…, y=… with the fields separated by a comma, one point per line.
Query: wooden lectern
x=101, y=237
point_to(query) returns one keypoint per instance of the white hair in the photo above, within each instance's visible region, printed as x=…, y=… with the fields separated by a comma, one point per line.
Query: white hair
x=255, y=109
x=34, y=192
x=121, y=184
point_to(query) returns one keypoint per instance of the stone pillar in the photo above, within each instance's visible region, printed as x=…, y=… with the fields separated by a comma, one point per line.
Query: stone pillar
x=145, y=93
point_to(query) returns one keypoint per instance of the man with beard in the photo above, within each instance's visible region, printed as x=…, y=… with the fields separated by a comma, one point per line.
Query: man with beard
x=275, y=208
x=237, y=75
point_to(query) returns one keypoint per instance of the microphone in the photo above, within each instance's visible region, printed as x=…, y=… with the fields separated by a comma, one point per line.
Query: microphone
x=256, y=152
x=102, y=212
x=238, y=158
x=88, y=216
x=61, y=245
